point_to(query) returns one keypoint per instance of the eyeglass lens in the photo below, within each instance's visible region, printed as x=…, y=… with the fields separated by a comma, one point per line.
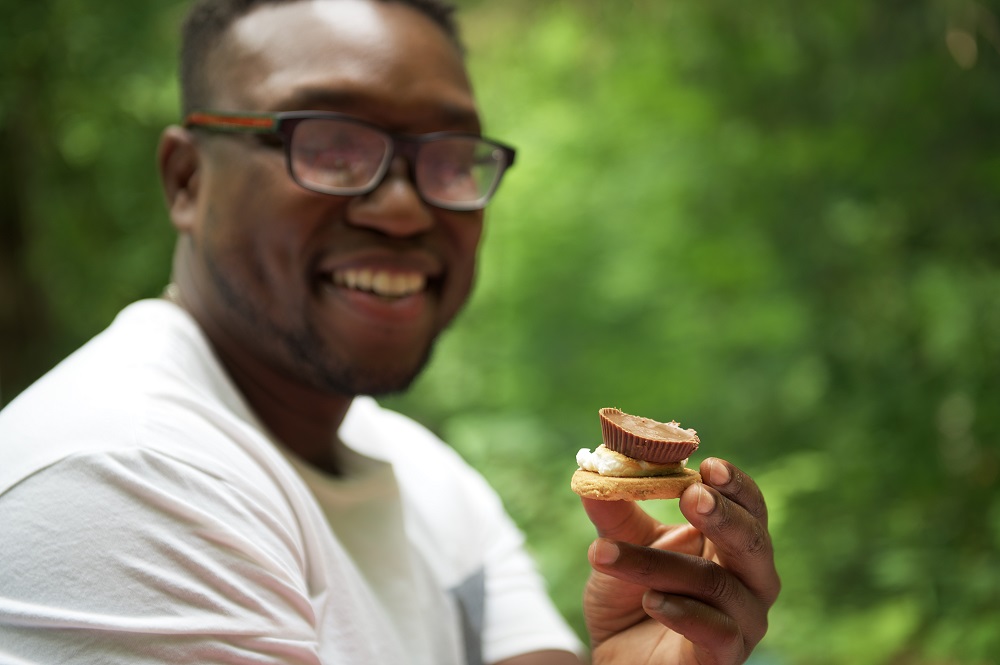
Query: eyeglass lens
x=342, y=157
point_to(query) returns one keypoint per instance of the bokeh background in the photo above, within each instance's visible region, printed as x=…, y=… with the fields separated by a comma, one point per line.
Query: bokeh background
x=774, y=221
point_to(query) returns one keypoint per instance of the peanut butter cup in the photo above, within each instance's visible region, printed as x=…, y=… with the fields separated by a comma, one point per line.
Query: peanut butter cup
x=646, y=439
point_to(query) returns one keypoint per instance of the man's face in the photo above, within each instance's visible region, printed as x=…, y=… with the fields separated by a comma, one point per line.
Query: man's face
x=270, y=263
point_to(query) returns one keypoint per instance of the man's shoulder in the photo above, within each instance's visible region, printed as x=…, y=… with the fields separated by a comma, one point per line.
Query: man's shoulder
x=146, y=382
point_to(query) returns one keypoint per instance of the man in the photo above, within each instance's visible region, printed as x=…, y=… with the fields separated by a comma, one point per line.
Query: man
x=201, y=484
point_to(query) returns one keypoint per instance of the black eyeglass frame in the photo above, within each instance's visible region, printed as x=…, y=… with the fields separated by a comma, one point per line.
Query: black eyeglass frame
x=282, y=125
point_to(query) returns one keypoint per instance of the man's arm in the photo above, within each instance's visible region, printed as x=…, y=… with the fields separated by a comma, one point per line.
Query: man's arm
x=135, y=557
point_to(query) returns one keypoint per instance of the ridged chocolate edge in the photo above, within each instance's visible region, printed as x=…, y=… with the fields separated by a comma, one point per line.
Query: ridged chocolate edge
x=631, y=445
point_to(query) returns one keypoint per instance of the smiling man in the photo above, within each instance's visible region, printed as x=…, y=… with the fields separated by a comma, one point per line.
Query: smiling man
x=308, y=253
x=204, y=482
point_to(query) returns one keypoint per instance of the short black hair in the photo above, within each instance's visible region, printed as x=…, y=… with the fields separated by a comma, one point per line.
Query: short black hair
x=208, y=20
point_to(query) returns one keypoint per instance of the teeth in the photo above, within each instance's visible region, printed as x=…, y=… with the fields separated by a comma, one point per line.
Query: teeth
x=381, y=282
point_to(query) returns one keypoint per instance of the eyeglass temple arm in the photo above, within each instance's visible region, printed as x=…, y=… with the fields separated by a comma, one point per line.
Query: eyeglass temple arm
x=232, y=122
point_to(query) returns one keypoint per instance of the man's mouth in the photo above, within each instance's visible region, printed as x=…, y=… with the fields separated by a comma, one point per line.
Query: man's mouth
x=388, y=284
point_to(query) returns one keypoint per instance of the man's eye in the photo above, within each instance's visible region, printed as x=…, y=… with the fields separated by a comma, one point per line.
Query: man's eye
x=271, y=140
x=337, y=158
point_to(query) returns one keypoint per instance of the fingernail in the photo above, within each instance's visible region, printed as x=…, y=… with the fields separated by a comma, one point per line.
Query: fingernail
x=718, y=473
x=706, y=501
x=662, y=604
x=654, y=599
x=604, y=552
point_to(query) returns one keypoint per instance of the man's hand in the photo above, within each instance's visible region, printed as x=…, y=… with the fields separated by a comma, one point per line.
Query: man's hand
x=691, y=594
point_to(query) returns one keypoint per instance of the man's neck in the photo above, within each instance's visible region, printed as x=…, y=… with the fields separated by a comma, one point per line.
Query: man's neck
x=303, y=420
x=310, y=437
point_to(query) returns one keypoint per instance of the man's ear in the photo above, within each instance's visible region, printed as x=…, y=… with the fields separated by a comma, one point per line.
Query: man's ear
x=178, y=159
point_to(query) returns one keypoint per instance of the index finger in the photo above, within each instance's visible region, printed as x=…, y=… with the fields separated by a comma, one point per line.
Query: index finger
x=735, y=485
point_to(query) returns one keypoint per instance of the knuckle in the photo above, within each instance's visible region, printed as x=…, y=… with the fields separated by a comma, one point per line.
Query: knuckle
x=645, y=565
x=724, y=516
x=744, y=491
x=755, y=632
x=761, y=630
x=757, y=542
x=720, y=585
x=770, y=595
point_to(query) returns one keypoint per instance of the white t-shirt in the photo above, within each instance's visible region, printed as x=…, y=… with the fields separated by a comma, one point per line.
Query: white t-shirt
x=146, y=517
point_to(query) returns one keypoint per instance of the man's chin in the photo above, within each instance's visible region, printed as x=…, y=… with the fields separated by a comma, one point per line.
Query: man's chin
x=370, y=380
x=354, y=369
x=381, y=386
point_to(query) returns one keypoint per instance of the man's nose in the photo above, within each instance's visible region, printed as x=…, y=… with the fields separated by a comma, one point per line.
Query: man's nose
x=394, y=207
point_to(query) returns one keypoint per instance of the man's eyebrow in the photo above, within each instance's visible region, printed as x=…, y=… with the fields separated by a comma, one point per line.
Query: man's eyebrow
x=308, y=99
x=318, y=99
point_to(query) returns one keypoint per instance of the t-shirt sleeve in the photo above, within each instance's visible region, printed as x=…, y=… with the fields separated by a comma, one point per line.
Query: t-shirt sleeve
x=136, y=557
x=519, y=616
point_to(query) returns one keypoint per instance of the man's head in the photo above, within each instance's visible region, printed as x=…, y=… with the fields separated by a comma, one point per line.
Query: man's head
x=208, y=20
x=299, y=289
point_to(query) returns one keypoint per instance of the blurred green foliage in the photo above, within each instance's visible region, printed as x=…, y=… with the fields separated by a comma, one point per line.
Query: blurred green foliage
x=775, y=222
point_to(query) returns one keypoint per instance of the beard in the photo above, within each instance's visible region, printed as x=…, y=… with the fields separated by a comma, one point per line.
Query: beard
x=344, y=375
x=304, y=356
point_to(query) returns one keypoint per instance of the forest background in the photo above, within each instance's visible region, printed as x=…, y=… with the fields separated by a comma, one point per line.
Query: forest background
x=773, y=221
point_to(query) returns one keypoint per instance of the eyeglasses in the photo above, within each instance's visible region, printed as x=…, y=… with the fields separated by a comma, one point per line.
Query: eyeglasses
x=337, y=154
